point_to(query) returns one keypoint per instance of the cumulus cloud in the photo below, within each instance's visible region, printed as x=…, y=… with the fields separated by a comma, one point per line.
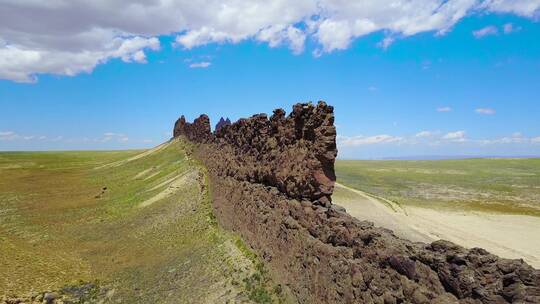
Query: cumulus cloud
x=457, y=136
x=486, y=31
x=21, y=64
x=526, y=8
x=279, y=35
x=70, y=37
x=425, y=134
x=202, y=64
x=345, y=141
x=485, y=111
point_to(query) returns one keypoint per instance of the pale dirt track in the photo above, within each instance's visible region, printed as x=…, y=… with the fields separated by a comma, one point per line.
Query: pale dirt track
x=138, y=156
x=509, y=236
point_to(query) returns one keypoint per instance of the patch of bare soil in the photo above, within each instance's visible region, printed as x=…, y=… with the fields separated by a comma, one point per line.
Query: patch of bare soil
x=173, y=185
x=509, y=236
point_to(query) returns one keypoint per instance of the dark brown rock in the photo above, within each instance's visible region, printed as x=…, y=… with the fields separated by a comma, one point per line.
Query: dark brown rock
x=296, y=154
x=198, y=131
x=272, y=180
x=221, y=123
x=403, y=265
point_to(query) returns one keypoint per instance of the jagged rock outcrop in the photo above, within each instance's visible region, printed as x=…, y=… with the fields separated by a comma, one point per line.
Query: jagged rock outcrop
x=198, y=131
x=272, y=179
x=296, y=153
x=221, y=123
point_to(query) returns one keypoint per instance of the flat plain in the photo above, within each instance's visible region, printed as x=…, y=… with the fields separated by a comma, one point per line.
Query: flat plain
x=507, y=186
x=489, y=203
x=130, y=226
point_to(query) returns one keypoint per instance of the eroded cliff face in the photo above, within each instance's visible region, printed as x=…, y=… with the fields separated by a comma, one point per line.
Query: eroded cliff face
x=296, y=154
x=272, y=180
x=198, y=131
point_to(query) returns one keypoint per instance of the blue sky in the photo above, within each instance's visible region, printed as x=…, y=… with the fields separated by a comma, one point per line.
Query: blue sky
x=469, y=89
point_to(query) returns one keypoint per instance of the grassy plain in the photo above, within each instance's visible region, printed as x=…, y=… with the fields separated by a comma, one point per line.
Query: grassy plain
x=507, y=186
x=139, y=224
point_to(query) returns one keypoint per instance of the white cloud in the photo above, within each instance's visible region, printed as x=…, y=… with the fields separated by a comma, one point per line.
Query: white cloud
x=8, y=135
x=343, y=21
x=505, y=140
x=334, y=35
x=70, y=37
x=202, y=64
x=486, y=31
x=11, y=135
x=527, y=8
x=21, y=64
x=509, y=28
x=139, y=57
x=430, y=139
x=425, y=134
x=485, y=111
x=515, y=138
x=444, y=109
x=113, y=136
x=279, y=35
x=345, y=141
x=386, y=42
x=457, y=136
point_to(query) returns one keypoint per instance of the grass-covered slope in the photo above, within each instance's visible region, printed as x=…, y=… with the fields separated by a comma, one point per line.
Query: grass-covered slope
x=137, y=224
x=510, y=186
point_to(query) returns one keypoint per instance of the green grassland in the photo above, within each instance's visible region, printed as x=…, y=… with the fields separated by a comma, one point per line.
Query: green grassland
x=140, y=228
x=510, y=186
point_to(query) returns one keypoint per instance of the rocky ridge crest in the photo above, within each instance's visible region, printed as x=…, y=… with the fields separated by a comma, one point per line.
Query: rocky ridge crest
x=272, y=180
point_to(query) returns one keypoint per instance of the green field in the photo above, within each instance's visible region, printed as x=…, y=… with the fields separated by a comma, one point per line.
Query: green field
x=139, y=229
x=509, y=186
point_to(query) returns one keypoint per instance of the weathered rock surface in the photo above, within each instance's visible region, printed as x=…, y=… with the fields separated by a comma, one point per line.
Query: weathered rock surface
x=296, y=154
x=221, y=123
x=272, y=180
x=198, y=131
x=71, y=294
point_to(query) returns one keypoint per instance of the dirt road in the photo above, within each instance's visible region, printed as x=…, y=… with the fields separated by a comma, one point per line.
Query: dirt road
x=509, y=236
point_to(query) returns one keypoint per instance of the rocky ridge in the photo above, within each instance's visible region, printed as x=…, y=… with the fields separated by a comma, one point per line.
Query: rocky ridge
x=272, y=180
x=221, y=123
